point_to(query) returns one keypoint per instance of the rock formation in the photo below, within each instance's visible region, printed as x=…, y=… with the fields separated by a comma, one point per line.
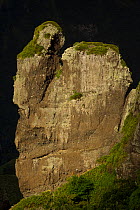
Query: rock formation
x=131, y=164
x=70, y=109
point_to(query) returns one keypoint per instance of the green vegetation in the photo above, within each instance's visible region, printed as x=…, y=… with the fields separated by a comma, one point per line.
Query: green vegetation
x=123, y=63
x=32, y=47
x=58, y=73
x=44, y=200
x=43, y=25
x=74, y=194
x=98, y=188
x=117, y=153
x=134, y=202
x=79, y=188
x=47, y=36
x=14, y=77
x=138, y=89
x=76, y=95
x=30, y=50
x=130, y=124
x=118, y=197
x=100, y=50
x=97, y=48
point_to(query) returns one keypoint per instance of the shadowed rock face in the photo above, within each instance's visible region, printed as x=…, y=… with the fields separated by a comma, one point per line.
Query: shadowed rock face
x=69, y=114
x=131, y=164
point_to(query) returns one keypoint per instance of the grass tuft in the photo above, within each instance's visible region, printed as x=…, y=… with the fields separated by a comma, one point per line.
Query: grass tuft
x=76, y=95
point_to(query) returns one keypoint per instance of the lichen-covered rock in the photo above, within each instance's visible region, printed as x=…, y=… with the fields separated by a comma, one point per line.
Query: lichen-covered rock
x=69, y=115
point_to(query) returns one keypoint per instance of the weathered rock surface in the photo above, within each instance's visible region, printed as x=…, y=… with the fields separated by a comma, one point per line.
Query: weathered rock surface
x=131, y=164
x=57, y=137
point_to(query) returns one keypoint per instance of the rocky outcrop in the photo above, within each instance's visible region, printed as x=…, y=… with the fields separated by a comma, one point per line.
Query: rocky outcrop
x=70, y=114
x=131, y=164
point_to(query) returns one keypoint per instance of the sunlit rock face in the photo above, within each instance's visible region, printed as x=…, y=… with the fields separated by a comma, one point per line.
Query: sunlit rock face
x=70, y=113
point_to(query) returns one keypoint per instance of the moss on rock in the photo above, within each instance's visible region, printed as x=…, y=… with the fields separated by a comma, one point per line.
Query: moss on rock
x=76, y=95
x=47, y=35
x=32, y=47
x=123, y=63
x=117, y=153
x=30, y=50
x=44, y=25
x=58, y=73
x=97, y=48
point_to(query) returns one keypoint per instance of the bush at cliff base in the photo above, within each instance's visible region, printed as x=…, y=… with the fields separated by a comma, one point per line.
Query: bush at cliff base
x=79, y=193
x=134, y=202
x=98, y=188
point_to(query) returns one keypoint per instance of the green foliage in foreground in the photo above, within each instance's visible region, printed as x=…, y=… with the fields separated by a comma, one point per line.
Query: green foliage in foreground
x=44, y=200
x=98, y=188
x=97, y=48
x=134, y=202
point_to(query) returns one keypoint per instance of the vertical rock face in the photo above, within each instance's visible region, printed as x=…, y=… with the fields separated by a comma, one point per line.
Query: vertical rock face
x=69, y=115
x=131, y=164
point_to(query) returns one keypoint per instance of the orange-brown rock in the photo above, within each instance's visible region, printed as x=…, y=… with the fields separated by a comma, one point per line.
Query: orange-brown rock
x=59, y=135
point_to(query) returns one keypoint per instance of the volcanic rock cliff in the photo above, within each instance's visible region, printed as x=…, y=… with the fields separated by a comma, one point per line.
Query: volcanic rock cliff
x=71, y=109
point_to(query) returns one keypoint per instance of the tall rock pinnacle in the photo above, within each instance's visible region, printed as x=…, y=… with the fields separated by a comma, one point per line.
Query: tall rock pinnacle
x=69, y=114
